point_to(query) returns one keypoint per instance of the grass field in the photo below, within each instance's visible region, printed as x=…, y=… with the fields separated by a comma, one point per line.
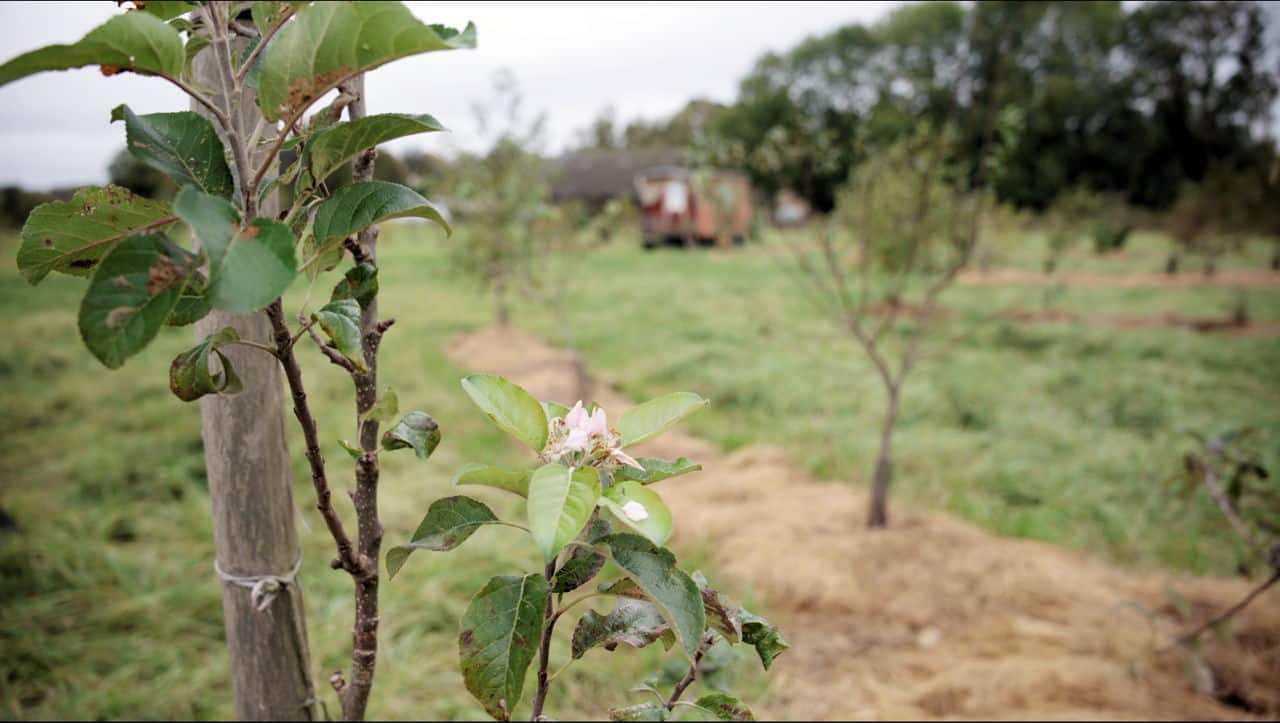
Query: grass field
x=108, y=608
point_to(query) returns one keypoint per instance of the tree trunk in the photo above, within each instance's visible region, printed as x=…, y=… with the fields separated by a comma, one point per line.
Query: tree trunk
x=878, y=510
x=500, y=301
x=251, y=496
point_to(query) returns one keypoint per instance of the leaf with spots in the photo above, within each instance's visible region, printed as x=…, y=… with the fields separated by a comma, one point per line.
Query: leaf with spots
x=416, y=430
x=70, y=237
x=131, y=295
x=633, y=622
x=182, y=145
x=763, y=636
x=136, y=42
x=331, y=42
x=640, y=712
x=582, y=565
x=448, y=523
x=722, y=615
x=499, y=638
x=360, y=283
x=654, y=569
x=721, y=706
x=190, y=375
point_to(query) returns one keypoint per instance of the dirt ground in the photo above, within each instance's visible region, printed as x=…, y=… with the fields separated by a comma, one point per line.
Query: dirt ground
x=932, y=618
x=1227, y=278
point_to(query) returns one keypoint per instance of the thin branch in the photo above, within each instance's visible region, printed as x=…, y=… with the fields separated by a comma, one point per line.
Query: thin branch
x=346, y=559
x=1227, y=614
x=306, y=325
x=690, y=676
x=544, y=646
x=253, y=344
x=262, y=44
x=332, y=354
x=202, y=99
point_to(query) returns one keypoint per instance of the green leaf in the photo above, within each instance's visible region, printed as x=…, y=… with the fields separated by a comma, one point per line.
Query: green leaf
x=267, y=15
x=764, y=636
x=165, y=9
x=136, y=42
x=655, y=470
x=655, y=518
x=514, y=410
x=554, y=410
x=500, y=634
x=582, y=565
x=560, y=505
x=657, y=416
x=340, y=321
x=623, y=587
x=722, y=615
x=640, y=712
x=190, y=376
x=448, y=523
x=194, y=304
x=384, y=408
x=329, y=149
x=654, y=569
x=360, y=283
x=134, y=290
x=351, y=449
x=725, y=707
x=328, y=43
x=503, y=478
x=182, y=145
x=633, y=622
x=417, y=430
x=249, y=266
x=357, y=206
x=72, y=236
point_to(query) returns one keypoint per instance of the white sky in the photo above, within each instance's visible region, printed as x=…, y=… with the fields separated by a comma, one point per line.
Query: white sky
x=570, y=60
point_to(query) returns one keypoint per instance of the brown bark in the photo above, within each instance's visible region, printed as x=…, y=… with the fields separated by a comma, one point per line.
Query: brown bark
x=250, y=494
x=364, y=634
x=878, y=509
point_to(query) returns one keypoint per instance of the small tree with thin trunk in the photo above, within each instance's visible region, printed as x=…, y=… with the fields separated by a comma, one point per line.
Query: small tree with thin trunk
x=905, y=224
x=502, y=195
x=263, y=66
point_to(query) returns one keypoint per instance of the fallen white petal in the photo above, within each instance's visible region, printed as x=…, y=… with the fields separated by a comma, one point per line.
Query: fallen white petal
x=635, y=511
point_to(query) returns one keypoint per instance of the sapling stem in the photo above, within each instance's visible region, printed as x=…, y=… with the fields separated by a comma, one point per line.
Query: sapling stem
x=544, y=647
x=691, y=675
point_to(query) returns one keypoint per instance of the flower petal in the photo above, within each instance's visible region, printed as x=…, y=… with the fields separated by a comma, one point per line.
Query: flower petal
x=576, y=416
x=626, y=459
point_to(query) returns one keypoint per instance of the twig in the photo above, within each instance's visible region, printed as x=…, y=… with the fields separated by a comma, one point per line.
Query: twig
x=332, y=354
x=262, y=44
x=544, y=647
x=346, y=559
x=364, y=632
x=1230, y=612
x=690, y=676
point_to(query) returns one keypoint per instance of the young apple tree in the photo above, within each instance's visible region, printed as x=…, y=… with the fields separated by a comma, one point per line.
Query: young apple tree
x=588, y=502
x=913, y=220
x=265, y=65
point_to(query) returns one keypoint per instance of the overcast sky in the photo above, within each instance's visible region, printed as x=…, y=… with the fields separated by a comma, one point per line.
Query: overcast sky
x=570, y=60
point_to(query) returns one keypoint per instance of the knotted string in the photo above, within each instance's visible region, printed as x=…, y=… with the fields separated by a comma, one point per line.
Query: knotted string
x=263, y=588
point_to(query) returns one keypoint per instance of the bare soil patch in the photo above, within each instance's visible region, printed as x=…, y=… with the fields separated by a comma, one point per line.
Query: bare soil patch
x=931, y=618
x=1227, y=278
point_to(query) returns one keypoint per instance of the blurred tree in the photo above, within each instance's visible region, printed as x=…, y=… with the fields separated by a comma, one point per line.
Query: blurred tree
x=127, y=171
x=504, y=196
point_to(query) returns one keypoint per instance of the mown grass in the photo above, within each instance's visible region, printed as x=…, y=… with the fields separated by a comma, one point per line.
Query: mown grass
x=108, y=608
x=108, y=605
